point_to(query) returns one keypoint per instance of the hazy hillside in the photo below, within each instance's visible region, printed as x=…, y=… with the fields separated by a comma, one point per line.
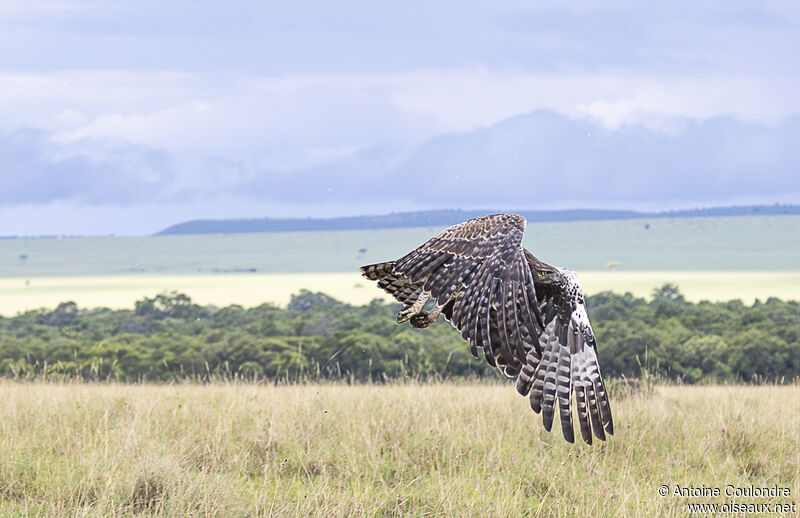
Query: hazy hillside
x=445, y=218
x=685, y=244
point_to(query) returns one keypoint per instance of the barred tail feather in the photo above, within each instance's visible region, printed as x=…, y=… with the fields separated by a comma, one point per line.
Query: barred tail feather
x=594, y=412
x=526, y=374
x=486, y=340
x=543, y=394
x=605, y=407
x=593, y=399
x=564, y=382
x=580, y=383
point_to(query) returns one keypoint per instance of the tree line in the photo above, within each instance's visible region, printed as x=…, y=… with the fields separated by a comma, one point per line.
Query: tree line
x=170, y=338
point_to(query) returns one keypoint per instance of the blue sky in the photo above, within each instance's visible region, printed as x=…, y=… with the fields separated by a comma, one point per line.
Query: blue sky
x=125, y=118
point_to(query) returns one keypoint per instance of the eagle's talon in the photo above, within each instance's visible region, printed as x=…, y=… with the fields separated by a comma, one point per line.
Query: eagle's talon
x=404, y=316
x=421, y=320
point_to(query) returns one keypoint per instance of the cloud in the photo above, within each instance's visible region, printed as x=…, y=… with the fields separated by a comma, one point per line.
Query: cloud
x=544, y=159
x=534, y=161
x=35, y=170
x=301, y=122
x=267, y=108
x=538, y=159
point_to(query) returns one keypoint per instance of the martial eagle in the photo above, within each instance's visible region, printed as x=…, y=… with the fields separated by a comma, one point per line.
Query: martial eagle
x=529, y=317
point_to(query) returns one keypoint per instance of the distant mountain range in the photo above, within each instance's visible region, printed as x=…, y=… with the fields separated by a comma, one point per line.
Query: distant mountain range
x=442, y=218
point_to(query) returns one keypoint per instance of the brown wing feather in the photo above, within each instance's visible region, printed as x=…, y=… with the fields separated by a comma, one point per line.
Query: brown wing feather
x=484, y=259
x=397, y=286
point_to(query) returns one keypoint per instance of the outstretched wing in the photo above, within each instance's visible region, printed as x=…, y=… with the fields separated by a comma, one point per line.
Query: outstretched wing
x=398, y=286
x=479, y=275
x=568, y=365
x=479, y=267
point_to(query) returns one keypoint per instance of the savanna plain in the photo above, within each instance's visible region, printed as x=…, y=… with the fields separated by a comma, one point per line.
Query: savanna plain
x=454, y=447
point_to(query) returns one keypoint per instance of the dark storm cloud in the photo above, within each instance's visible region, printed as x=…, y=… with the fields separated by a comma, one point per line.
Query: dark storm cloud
x=35, y=171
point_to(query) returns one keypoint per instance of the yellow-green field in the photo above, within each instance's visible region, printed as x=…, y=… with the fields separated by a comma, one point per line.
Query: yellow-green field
x=708, y=258
x=393, y=450
x=121, y=291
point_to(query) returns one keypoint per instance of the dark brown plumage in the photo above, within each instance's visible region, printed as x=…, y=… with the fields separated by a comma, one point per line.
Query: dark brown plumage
x=528, y=318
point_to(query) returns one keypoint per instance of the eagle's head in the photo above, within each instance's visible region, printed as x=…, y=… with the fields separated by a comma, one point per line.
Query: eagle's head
x=550, y=277
x=543, y=273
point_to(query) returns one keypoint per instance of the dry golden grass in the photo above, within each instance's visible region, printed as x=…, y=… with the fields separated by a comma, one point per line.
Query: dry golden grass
x=394, y=450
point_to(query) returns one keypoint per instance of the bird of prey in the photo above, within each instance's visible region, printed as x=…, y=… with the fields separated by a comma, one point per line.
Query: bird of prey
x=528, y=317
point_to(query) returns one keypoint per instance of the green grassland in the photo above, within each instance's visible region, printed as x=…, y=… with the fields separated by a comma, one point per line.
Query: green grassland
x=442, y=449
x=708, y=244
x=709, y=258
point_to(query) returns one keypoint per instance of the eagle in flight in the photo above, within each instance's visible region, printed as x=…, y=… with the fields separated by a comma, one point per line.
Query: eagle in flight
x=528, y=317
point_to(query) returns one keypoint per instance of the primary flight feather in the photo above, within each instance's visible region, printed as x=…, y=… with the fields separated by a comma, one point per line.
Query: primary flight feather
x=528, y=318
